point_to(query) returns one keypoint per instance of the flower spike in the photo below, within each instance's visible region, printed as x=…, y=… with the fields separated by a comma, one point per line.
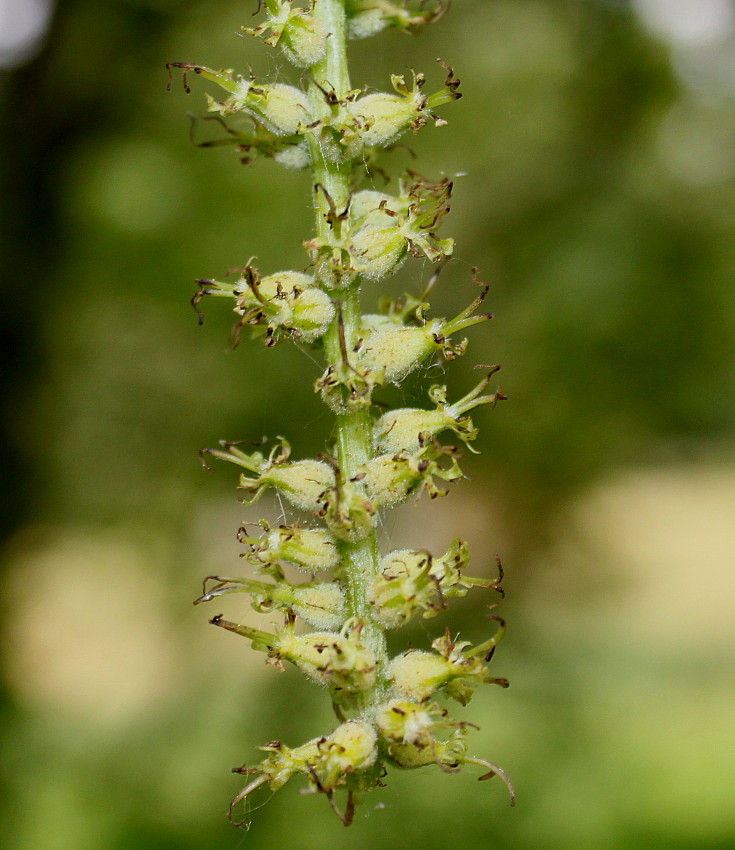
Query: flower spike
x=330, y=594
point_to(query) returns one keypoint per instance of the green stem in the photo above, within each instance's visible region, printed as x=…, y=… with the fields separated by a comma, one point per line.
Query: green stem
x=354, y=427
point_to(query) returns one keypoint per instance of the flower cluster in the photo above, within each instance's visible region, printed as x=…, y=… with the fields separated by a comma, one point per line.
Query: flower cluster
x=386, y=706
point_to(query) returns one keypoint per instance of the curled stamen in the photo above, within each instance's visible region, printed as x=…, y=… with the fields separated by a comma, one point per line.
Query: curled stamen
x=494, y=770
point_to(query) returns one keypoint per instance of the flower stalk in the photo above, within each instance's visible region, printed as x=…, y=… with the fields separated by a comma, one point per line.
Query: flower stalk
x=379, y=458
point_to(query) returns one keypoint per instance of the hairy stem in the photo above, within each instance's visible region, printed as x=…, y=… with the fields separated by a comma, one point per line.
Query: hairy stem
x=353, y=428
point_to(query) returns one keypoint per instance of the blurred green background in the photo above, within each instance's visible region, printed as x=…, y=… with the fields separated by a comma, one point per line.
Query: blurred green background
x=594, y=166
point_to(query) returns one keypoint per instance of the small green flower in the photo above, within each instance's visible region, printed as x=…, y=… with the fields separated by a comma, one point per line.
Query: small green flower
x=339, y=660
x=384, y=229
x=349, y=512
x=454, y=668
x=329, y=763
x=321, y=605
x=412, y=580
x=368, y=17
x=308, y=549
x=287, y=302
x=391, y=478
x=302, y=482
x=408, y=429
x=448, y=754
x=388, y=351
x=281, y=109
x=382, y=118
x=252, y=140
x=301, y=37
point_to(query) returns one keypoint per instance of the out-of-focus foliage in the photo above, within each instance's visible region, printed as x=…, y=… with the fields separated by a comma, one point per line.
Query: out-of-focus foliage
x=595, y=190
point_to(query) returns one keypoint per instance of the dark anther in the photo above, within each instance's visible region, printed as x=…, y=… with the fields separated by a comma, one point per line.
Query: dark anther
x=493, y=369
x=479, y=282
x=252, y=278
x=203, y=283
x=341, y=333
x=205, y=465
x=185, y=67
x=330, y=97
x=332, y=461
x=440, y=594
x=333, y=217
x=451, y=82
x=499, y=580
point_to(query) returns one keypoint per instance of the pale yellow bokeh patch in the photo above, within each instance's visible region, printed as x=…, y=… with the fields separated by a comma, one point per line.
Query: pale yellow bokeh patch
x=665, y=538
x=86, y=631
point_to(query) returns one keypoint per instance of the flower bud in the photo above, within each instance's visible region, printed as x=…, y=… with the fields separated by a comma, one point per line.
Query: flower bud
x=381, y=118
x=447, y=754
x=303, y=40
x=411, y=580
x=454, y=667
x=410, y=428
x=332, y=267
x=349, y=514
x=375, y=242
x=285, y=302
x=377, y=251
x=301, y=37
x=363, y=24
x=308, y=549
x=410, y=730
x=281, y=109
x=394, y=352
x=371, y=323
x=285, y=285
x=400, y=720
x=390, y=479
x=417, y=674
x=340, y=661
x=290, y=300
x=321, y=605
x=351, y=747
x=313, y=312
x=388, y=351
x=368, y=202
x=325, y=761
x=391, y=351
x=378, y=222
x=302, y=482
x=368, y=17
